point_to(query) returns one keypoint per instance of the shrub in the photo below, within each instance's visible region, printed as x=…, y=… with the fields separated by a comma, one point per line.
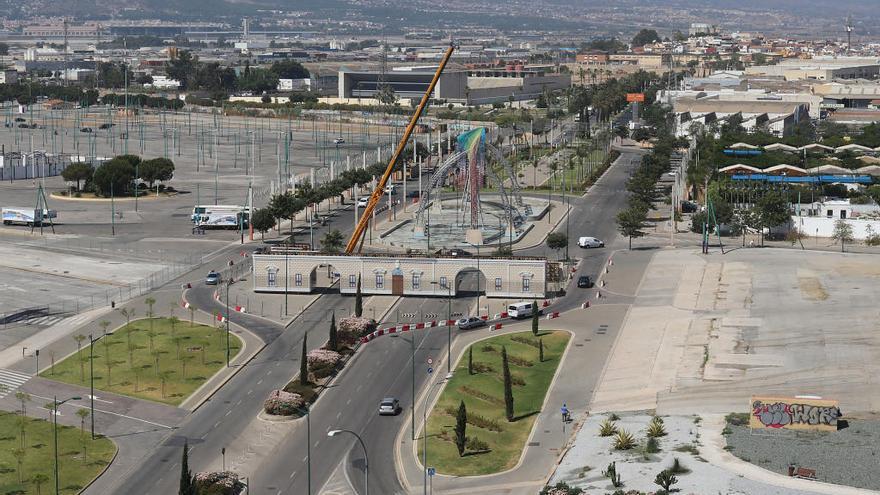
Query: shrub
x=219, y=483
x=322, y=358
x=487, y=348
x=525, y=340
x=656, y=429
x=614, y=417
x=678, y=467
x=359, y=326
x=518, y=361
x=474, y=444
x=561, y=489
x=482, y=368
x=281, y=403
x=652, y=447
x=607, y=428
x=305, y=391
x=481, y=395
x=483, y=422
x=737, y=419
x=623, y=441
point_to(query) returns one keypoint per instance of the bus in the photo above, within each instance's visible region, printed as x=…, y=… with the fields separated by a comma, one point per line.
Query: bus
x=221, y=216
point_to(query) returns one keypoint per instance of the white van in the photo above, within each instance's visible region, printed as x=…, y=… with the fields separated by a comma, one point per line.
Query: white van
x=522, y=309
x=590, y=242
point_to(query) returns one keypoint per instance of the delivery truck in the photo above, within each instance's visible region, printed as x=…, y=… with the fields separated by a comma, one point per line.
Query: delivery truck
x=13, y=215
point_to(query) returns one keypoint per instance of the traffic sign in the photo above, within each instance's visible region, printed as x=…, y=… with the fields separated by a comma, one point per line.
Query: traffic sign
x=431, y=471
x=430, y=360
x=430, y=370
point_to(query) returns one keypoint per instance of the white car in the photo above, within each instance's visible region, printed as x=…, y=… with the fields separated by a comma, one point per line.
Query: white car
x=362, y=202
x=339, y=140
x=590, y=242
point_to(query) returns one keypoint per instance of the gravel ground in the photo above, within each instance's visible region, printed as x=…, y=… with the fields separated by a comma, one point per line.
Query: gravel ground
x=848, y=457
x=582, y=466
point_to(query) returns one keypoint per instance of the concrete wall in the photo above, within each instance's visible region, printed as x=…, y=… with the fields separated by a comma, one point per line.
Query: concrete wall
x=508, y=278
x=824, y=226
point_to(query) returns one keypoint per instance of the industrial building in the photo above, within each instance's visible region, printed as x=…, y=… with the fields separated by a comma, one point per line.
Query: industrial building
x=820, y=69
x=776, y=117
x=409, y=84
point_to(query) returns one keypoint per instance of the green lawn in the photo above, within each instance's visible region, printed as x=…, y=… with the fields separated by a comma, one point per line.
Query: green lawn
x=483, y=395
x=80, y=457
x=187, y=357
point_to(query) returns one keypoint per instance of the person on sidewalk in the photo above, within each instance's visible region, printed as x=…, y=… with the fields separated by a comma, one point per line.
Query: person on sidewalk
x=566, y=414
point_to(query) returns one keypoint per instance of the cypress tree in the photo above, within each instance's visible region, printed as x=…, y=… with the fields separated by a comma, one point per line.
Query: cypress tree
x=304, y=364
x=470, y=360
x=535, y=318
x=540, y=350
x=358, y=300
x=508, y=386
x=187, y=480
x=461, y=428
x=334, y=341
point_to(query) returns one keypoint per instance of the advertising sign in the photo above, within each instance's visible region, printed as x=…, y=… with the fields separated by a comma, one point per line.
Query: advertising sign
x=633, y=97
x=794, y=413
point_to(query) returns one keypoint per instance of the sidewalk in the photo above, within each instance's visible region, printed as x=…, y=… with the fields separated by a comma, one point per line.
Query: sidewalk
x=593, y=332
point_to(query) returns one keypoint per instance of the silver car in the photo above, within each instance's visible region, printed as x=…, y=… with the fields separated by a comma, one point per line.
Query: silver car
x=470, y=322
x=389, y=407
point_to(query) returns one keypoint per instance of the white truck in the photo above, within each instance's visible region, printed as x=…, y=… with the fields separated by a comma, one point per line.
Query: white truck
x=13, y=215
x=221, y=216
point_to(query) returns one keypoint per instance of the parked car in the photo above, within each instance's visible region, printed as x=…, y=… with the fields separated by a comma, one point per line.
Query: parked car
x=585, y=282
x=213, y=278
x=590, y=242
x=459, y=253
x=470, y=322
x=389, y=407
x=105, y=126
x=86, y=129
x=339, y=140
x=362, y=202
x=413, y=194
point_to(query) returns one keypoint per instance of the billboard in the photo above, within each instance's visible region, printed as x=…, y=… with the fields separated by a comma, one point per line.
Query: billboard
x=635, y=97
x=794, y=413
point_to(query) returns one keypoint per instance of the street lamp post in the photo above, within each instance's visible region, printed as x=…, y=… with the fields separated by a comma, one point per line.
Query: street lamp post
x=308, y=413
x=333, y=433
x=55, y=435
x=448, y=325
x=228, y=283
x=425, y=434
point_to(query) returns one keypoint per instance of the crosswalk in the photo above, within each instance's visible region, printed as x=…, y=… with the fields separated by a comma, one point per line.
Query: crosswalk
x=48, y=321
x=10, y=381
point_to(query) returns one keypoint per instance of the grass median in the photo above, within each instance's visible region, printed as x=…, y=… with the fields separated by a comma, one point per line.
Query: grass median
x=156, y=359
x=494, y=444
x=27, y=459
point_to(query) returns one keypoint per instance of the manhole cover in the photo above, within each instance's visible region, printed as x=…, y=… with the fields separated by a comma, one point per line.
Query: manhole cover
x=534, y=444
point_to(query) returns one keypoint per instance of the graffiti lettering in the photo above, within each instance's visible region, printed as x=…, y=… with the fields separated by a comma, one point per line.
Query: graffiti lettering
x=781, y=414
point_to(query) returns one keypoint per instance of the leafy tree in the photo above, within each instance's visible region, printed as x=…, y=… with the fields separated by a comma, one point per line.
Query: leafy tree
x=157, y=169
x=508, y=385
x=114, y=176
x=644, y=37
x=304, y=363
x=773, y=210
x=83, y=414
x=289, y=69
x=630, y=221
x=78, y=172
x=4, y=49
x=358, y=300
x=286, y=205
x=182, y=67
x=665, y=479
x=333, y=341
x=461, y=428
x=332, y=241
x=843, y=232
x=187, y=480
x=262, y=220
x=535, y=318
x=557, y=241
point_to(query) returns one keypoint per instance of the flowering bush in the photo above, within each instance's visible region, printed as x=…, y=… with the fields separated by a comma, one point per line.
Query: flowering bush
x=320, y=358
x=355, y=327
x=281, y=403
x=219, y=483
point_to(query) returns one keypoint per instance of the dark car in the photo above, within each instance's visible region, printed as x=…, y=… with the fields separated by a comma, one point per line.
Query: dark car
x=585, y=282
x=105, y=126
x=86, y=129
x=459, y=253
x=413, y=194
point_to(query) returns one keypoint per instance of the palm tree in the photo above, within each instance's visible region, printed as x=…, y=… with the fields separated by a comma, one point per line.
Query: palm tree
x=82, y=370
x=150, y=302
x=19, y=458
x=38, y=479
x=104, y=324
x=163, y=377
x=127, y=315
x=83, y=414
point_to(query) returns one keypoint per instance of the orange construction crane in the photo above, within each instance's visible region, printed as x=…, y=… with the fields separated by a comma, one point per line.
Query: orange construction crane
x=357, y=236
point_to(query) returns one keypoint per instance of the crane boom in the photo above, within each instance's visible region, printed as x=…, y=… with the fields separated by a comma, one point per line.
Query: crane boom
x=356, y=240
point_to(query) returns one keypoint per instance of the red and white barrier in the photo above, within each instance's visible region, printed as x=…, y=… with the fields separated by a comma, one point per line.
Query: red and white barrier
x=586, y=304
x=221, y=318
x=545, y=303
x=185, y=305
x=496, y=326
x=552, y=315
x=240, y=309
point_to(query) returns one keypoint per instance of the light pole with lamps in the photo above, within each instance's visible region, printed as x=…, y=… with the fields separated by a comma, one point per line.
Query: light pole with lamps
x=55, y=434
x=425, y=433
x=228, y=283
x=92, y=379
x=333, y=433
x=448, y=325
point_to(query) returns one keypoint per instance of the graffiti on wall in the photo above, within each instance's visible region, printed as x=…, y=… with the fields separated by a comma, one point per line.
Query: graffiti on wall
x=794, y=413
